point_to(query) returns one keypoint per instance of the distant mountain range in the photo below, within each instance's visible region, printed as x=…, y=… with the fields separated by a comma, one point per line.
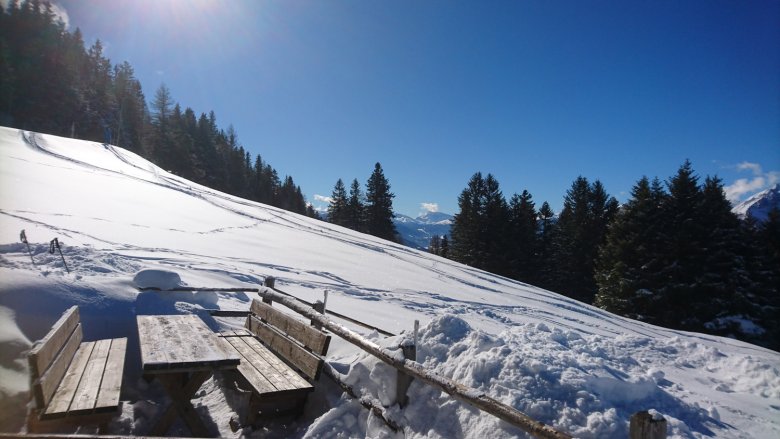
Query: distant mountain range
x=759, y=205
x=417, y=232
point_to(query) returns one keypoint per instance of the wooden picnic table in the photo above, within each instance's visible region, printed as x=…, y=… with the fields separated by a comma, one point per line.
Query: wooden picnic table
x=182, y=353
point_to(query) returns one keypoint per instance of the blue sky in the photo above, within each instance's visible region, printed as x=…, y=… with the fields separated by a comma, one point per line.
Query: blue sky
x=534, y=92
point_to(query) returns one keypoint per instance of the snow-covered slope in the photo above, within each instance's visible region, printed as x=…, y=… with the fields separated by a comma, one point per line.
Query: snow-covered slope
x=570, y=365
x=417, y=232
x=759, y=205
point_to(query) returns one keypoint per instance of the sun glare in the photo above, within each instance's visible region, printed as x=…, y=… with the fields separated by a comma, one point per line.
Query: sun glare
x=185, y=19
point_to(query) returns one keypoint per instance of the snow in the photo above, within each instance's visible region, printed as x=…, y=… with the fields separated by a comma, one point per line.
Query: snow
x=759, y=205
x=124, y=223
x=159, y=279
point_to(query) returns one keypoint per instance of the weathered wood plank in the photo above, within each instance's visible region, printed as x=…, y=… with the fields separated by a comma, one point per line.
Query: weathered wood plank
x=180, y=342
x=211, y=343
x=259, y=359
x=309, y=336
x=70, y=382
x=304, y=360
x=292, y=377
x=111, y=386
x=44, y=351
x=44, y=388
x=151, y=353
x=248, y=367
x=266, y=357
x=86, y=395
x=254, y=353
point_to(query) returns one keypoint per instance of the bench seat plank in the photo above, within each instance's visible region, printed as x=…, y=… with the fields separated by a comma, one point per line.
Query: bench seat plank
x=60, y=404
x=263, y=370
x=290, y=376
x=87, y=392
x=111, y=386
x=93, y=381
x=248, y=368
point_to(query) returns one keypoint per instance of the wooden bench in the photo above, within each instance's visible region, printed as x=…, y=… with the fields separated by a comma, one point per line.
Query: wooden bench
x=280, y=359
x=74, y=383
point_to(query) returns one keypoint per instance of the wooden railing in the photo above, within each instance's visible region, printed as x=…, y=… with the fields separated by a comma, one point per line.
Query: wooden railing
x=642, y=424
x=416, y=370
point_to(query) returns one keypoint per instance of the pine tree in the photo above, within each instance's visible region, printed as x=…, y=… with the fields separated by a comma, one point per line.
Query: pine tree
x=724, y=295
x=132, y=109
x=205, y=151
x=337, y=210
x=355, y=208
x=311, y=213
x=494, y=229
x=445, y=247
x=523, y=238
x=100, y=112
x=379, y=206
x=545, y=262
x=571, y=271
x=162, y=133
x=629, y=258
x=681, y=267
x=466, y=244
x=582, y=227
x=479, y=230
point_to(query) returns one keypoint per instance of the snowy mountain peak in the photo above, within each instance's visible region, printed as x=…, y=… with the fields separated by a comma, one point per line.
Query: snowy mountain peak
x=435, y=218
x=417, y=232
x=759, y=205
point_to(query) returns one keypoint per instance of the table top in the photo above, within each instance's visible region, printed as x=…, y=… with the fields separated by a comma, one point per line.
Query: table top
x=181, y=343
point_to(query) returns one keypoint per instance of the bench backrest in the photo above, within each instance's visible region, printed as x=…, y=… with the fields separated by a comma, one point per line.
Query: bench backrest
x=300, y=344
x=50, y=357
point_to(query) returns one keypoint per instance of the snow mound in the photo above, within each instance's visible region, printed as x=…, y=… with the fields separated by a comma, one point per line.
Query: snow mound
x=159, y=279
x=586, y=385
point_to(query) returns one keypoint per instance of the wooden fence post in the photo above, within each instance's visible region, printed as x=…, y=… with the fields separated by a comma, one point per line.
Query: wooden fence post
x=320, y=308
x=645, y=426
x=403, y=381
x=269, y=282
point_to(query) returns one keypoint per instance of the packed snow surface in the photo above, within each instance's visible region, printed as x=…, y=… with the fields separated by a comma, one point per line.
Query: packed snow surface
x=126, y=224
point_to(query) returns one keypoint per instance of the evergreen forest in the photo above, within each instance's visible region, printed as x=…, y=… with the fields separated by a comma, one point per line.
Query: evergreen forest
x=673, y=255
x=51, y=83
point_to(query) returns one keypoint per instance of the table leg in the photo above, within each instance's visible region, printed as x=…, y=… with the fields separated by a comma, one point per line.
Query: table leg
x=181, y=387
